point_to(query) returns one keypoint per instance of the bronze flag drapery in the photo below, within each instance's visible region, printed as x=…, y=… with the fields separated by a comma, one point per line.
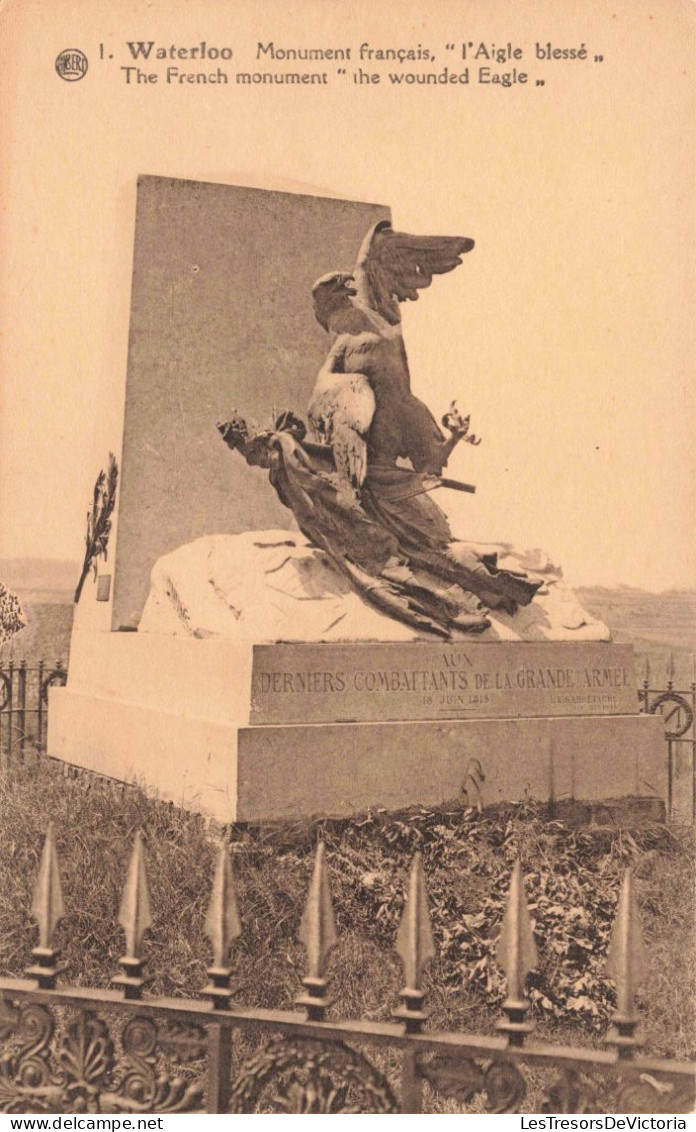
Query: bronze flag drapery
x=391, y=540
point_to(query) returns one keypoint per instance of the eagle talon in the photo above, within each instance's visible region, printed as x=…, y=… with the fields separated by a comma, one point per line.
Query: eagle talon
x=458, y=425
x=454, y=422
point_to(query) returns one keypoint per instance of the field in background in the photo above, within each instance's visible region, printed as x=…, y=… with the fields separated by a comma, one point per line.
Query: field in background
x=658, y=625
x=46, y=636
x=45, y=588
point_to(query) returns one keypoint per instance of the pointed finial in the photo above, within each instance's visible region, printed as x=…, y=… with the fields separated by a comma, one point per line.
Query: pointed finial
x=134, y=913
x=671, y=669
x=415, y=946
x=47, y=908
x=627, y=965
x=135, y=918
x=517, y=955
x=646, y=671
x=317, y=927
x=222, y=926
x=222, y=923
x=414, y=941
x=318, y=934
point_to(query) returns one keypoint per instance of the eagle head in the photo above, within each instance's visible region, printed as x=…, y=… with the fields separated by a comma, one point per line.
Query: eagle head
x=331, y=293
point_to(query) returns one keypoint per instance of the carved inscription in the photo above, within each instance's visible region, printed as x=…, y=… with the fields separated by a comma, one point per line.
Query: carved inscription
x=334, y=683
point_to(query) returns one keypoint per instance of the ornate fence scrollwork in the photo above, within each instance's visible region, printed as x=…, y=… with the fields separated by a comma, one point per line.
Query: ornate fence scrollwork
x=500, y=1082
x=28, y=1081
x=86, y=1061
x=570, y=1094
x=644, y=1093
x=90, y=1071
x=145, y=1088
x=310, y=1076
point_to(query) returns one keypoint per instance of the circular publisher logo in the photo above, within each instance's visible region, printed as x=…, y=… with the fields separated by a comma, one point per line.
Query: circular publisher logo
x=71, y=65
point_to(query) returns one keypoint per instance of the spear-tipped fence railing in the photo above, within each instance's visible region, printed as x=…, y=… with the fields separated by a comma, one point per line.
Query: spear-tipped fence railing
x=677, y=706
x=63, y=1050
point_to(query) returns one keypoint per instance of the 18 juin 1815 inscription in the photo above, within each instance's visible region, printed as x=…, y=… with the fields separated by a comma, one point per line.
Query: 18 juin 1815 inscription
x=295, y=683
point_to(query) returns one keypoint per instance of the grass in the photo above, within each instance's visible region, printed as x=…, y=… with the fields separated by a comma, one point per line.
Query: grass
x=572, y=883
x=572, y=876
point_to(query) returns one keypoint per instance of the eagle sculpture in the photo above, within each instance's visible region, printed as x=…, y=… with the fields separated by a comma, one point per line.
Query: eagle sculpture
x=373, y=517
x=362, y=404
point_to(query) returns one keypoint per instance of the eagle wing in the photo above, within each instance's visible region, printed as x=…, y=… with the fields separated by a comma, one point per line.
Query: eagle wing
x=393, y=266
x=340, y=414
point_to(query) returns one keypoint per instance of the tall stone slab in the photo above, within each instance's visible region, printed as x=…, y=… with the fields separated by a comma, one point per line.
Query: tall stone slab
x=221, y=318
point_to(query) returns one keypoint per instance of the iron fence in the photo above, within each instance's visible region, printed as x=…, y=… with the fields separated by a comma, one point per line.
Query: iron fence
x=24, y=705
x=677, y=706
x=74, y=1049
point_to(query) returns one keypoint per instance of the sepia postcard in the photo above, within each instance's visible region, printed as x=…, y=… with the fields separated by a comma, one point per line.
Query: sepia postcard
x=347, y=592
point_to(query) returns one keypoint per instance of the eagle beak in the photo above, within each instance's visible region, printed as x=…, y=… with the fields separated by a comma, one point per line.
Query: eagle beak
x=349, y=286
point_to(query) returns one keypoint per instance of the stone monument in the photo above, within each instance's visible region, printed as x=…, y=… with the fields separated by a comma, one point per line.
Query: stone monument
x=324, y=643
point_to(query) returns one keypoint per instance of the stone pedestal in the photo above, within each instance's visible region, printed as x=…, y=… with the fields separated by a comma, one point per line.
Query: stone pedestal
x=245, y=733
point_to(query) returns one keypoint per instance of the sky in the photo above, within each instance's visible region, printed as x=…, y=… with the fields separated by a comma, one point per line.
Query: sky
x=567, y=333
